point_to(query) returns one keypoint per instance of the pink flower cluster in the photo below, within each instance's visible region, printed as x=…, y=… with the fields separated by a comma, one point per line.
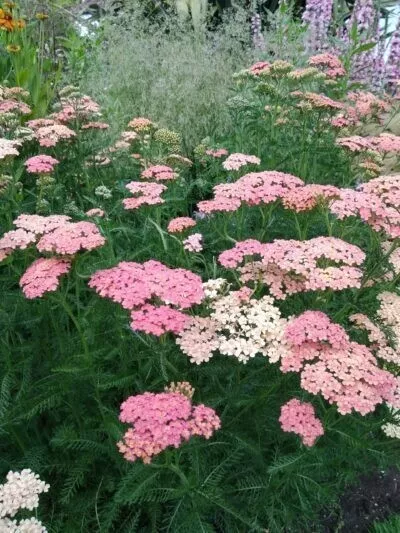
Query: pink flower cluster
x=77, y=108
x=149, y=290
x=160, y=421
x=95, y=212
x=41, y=164
x=299, y=417
x=319, y=101
x=236, y=161
x=289, y=266
x=344, y=372
x=95, y=126
x=141, y=124
x=217, y=152
x=159, y=173
x=329, y=64
x=384, y=143
x=376, y=202
x=194, y=243
x=178, y=225
x=53, y=234
x=43, y=276
x=12, y=106
x=261, y=67
x=146, y=194
x=51, y=135
x=254, y=188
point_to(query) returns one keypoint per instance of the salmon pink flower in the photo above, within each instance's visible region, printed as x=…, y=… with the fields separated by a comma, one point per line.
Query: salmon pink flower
x=41, y=164
x=43, y=276
x=299, y=417
x=180, y=224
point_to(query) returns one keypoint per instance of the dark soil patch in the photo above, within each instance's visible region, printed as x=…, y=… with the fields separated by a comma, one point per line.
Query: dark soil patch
x=373, y=499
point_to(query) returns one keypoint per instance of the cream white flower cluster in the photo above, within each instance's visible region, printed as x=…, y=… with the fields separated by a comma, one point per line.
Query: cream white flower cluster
x=214, y=287
x=239, y=326
x=393, y=429
x=21, y=491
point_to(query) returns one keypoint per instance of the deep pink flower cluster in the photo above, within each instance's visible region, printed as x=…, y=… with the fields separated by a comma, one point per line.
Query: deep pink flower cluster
x=43, y=276
x=376, y=202
x=299, y=417
x=329, y=64
x=159, y=173
x=236, y=161
x=177, y=225
x=70, y=238
x=162, y=420
x=41, y=164
x=289, y=266
x=149, y=290
x=134, y=284
x=51, y=135
x=158, y=320
x=146, y=194
x=254, y=188
x=344, y=372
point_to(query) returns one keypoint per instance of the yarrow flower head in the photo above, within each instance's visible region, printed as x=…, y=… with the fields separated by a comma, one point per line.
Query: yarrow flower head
x=329, y=64
x=134, y=284
x=41, y=164
x=146, y=194
x=158, y=320
x=8, y=148
x=39, y=224
x=299, y=417
x=162, y=420
x=51, y=135
x=289, y=266
x=159, y=173
x=194, y=243
x=95, y=212
x=141, y=124
x=344, y=372
x=180, y=224
x=72, y=237
x=217, y=153
x=43, y=275
x=237, y=161
x=21, y=491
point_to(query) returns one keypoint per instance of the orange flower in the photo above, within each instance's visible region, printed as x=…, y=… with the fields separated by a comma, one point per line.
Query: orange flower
x=6, y=20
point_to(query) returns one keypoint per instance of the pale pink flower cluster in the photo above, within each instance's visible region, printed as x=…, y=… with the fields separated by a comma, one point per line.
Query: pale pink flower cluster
x=180, y=224
x=367, y=103
x=160, y=421
x=217, y=152
x=141, y=124
x=158, y=320
x=26, y=525
x=71, y=238
x=95, y=212
x=8, y=148
x=307, y=197
x=237, y=161
x=320, y=101
x=77, y=108
x=377, y=339
x=299, y=417
x=41, y=164
x=289, y=266
x=21, y=491
x=239, y=326
x=52, y=234
x=376, y=202
x=146, y=194
x=12, y=106
x=194, y=243
x=43, y=275
x=51, y=135
x=385, y=142
x=343, y=372
x=37, y=123
x=254, y=188
x=329, y=64
x=159, y=173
